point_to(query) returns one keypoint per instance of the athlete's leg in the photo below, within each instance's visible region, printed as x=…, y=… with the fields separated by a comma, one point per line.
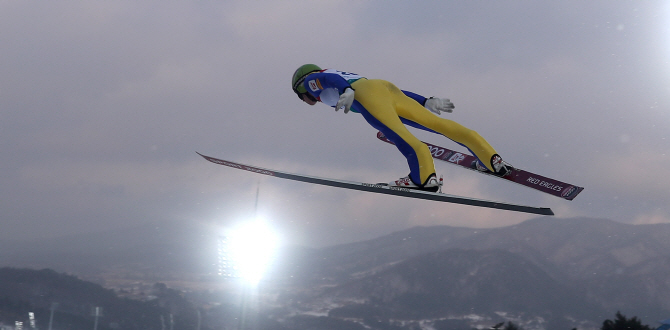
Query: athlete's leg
x=379, y=111
x=409, y=109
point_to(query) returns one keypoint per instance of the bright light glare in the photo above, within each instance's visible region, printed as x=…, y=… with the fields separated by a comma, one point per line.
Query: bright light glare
x=252, y=246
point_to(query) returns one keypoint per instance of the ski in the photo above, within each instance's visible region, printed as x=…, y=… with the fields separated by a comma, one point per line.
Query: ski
x=384, y=189
x=531, y=180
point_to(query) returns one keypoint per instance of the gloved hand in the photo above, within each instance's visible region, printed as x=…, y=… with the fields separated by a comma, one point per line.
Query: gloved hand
x=436, y=105
x=346, y=100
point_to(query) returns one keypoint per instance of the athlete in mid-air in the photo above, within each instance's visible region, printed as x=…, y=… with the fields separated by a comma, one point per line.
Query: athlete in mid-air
x=389, y=109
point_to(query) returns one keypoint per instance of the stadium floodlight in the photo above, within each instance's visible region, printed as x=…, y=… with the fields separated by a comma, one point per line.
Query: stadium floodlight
x=247, y=251
x=226, y=265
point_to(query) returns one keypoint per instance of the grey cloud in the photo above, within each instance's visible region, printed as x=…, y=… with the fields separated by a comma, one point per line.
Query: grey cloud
x=104, y=104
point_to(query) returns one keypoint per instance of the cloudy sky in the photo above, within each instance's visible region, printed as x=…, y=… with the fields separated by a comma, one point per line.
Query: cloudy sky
x=104, y=103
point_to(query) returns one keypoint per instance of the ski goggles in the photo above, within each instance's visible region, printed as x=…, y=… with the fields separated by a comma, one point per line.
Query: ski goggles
x=300, y=90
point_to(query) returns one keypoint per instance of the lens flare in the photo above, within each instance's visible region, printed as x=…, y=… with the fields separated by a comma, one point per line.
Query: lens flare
x=252, y=248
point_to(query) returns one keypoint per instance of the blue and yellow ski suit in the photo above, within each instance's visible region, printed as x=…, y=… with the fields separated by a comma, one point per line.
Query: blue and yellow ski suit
x=389, y=109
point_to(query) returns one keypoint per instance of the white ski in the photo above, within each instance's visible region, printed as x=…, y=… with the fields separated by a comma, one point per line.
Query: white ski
x=384, y=189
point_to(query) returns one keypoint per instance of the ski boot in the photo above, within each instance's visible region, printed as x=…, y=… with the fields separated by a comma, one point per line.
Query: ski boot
x=431, y=184
x=501, y=167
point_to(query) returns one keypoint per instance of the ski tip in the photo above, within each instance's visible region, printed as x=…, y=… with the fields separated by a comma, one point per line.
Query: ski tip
x=207, y=158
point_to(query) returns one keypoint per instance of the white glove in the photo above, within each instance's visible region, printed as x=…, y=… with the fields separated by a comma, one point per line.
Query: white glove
x=346, y=100
x=436, y=105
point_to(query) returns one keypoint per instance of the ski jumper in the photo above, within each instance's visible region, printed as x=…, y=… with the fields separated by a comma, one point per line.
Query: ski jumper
x=389, y=109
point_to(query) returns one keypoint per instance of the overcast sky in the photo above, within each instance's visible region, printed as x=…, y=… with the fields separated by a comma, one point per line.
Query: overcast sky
x=104, y=103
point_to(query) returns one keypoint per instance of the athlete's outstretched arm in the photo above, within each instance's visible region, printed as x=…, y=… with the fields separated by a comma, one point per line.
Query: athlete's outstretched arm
x=416, y=97
x=434, y=104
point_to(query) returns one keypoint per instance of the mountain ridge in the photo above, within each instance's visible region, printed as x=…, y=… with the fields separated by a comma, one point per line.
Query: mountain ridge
x=598, y=264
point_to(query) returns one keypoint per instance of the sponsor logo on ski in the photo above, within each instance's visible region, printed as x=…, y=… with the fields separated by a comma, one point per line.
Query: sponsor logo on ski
x=223, y=162
x=381, y=186
x=568, y=191
x=456, y=158
x=257, y=170
x=400, y=188
x=436, y=151
x=544, y=184
x=242, y=167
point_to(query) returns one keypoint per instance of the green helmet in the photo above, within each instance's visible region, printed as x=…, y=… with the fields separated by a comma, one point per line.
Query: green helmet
x=299, y=77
